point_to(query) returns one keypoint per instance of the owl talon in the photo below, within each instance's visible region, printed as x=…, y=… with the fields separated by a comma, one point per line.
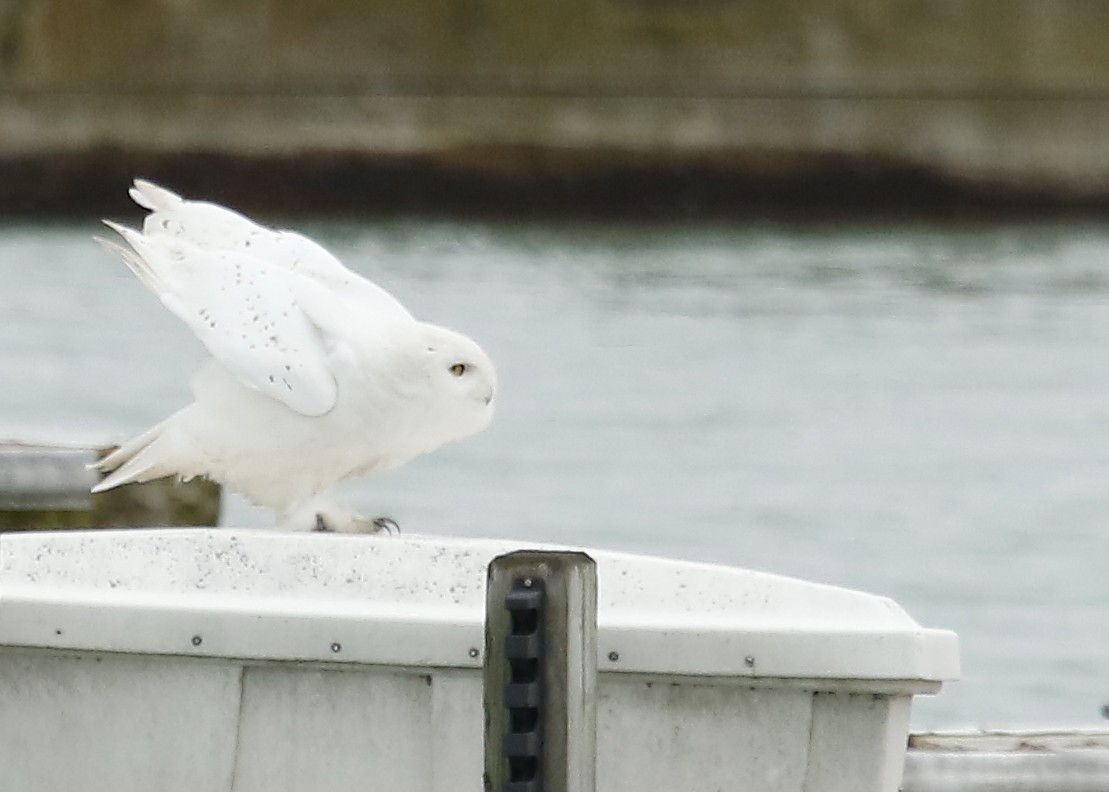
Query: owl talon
x=386, y=525
x=321, y=525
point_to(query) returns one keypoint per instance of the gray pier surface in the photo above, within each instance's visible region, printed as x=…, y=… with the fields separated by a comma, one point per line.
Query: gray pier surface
x=296, y=104
x=1008, y=761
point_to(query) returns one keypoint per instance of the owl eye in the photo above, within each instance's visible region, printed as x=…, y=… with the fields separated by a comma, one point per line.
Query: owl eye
x=458, y=369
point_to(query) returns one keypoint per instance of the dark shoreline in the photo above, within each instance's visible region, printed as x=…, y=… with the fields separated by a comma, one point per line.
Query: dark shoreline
x=525, y=182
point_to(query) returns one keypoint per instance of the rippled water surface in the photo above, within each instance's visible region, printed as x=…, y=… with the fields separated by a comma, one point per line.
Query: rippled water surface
x=914, y=410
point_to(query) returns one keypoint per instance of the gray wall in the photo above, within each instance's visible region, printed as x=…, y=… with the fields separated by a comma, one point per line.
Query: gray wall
x=994, y=96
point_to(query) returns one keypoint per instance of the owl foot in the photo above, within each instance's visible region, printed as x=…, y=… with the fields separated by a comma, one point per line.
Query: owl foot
x=378, y=525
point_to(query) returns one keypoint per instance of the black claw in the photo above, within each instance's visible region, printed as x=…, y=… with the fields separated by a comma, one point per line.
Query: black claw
x=386, y=525
x=321, y=525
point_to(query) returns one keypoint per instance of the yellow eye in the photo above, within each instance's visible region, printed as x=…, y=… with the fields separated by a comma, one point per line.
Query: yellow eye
x=458, y=369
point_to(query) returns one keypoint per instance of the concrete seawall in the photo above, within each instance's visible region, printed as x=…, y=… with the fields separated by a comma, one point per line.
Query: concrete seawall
x=707, y=102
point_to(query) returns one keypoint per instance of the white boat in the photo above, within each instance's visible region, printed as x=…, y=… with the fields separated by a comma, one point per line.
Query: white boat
x=219, y=660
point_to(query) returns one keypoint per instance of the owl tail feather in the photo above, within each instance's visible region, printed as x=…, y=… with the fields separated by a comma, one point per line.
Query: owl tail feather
x=143, y=458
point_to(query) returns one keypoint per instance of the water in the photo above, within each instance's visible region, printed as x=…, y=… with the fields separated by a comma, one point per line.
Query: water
x=915, y=410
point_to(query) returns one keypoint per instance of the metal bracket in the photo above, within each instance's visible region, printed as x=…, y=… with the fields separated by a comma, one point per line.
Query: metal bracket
x=540, y=673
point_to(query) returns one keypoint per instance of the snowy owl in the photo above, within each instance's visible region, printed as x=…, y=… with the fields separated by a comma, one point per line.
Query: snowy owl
x=317, y=374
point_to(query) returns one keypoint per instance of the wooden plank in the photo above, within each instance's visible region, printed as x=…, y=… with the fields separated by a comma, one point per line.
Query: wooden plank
x=1057, y=760
x=43, y=487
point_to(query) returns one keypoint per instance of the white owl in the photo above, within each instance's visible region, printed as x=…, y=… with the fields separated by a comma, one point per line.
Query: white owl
x=317, y=374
